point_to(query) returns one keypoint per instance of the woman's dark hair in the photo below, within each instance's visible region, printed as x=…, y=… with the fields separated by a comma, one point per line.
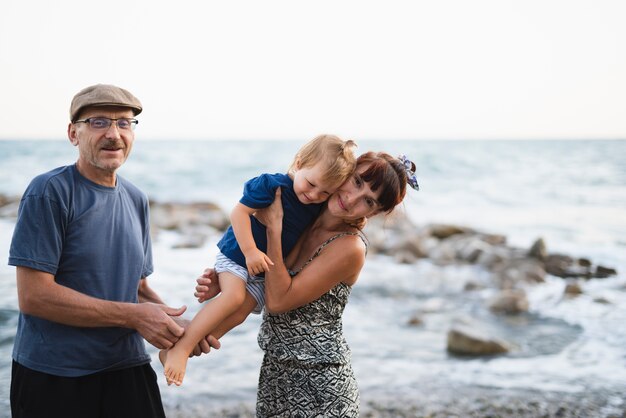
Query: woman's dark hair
x=386, y=173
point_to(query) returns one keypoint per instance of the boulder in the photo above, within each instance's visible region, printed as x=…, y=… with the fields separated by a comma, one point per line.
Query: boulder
x=538, y=250
x=442, y=231
x=572, y=288
x=512, y=301
x=464, y=339
x=415, y=321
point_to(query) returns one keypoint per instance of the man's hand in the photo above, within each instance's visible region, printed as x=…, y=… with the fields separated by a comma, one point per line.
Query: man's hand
x=155, y=323
x=208, y=286
x=205, y=345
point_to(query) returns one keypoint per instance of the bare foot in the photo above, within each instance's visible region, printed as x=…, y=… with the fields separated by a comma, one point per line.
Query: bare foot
x=163, y=358
x=174, y=365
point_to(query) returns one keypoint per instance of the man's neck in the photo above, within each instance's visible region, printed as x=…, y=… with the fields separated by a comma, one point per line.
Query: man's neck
x=99, y=176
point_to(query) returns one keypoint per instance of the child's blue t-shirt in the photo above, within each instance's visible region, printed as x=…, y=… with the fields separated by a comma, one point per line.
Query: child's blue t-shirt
x=95, y=240
x=259, y=193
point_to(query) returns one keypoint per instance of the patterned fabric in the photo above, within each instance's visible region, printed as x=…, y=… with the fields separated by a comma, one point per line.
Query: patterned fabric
x=306, y=370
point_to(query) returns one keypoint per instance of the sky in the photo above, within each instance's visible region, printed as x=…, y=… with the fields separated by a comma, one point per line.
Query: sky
x=265, y=69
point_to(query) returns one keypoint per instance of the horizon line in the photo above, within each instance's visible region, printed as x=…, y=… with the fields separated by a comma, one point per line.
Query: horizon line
x=400, y=139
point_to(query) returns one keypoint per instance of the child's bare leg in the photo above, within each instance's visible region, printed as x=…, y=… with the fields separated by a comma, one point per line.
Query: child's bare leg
x=236, y=318
x=208, y=318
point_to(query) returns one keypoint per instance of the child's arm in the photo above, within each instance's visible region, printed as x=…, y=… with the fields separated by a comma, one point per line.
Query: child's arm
x=257, y=261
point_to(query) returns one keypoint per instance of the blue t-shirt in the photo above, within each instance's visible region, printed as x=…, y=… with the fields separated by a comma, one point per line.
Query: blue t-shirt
x=259, y=193
x=95, y=240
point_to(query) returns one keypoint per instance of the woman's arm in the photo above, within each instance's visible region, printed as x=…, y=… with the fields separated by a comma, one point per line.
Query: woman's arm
x=342, y=264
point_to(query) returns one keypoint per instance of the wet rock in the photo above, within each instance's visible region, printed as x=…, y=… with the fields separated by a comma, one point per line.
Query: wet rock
x=404, y=257
x=190, y=241
x=472, y=286
x=510, y=272
x=538, y=250
x=415, y=321
x=465, y=339
x=176, y=216
x=446, y=244
x=10, y=210
x=493, y=239
x=9, y=206
x=443, y=254
x=602, y=272
x=471, y=249
x=5, y=199
x=573, y=288
x=411, y=245
x=442, y=231
x=513, y=301
x=433, y=305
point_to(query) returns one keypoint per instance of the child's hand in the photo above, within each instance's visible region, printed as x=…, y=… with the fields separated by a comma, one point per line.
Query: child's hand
x=257, y=262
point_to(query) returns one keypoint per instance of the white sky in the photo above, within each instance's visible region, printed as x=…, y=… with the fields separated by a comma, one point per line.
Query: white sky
x=293, y=69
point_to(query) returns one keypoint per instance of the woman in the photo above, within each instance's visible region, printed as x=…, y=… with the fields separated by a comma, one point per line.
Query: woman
x=306, y=369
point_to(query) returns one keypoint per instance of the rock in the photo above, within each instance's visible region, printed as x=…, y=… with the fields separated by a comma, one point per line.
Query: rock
x=9, y=209
x=493, y=239
x=411, y=245
x=513, y=301
x=558, y=265
x=464, y=339
x=565, y=266
x=433, y=305
x=472, y=285
x=415, y=321
x=441, y=231
x=443, y=254
x=513, y=271
x=190, y=241
x=176, y=216
x=404, y=257
x=572, y=288
x=538, y=250
x=602, y=272
x=5, y=200
x=494, y=257
x=472, y=248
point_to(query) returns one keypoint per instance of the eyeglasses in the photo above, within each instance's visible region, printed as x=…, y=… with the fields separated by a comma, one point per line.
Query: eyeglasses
x=101, y=123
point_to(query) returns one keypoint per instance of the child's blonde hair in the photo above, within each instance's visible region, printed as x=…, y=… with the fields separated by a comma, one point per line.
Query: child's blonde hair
x=334, y=152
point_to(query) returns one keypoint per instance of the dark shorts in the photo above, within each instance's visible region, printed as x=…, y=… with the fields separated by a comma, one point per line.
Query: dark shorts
x=131, y=392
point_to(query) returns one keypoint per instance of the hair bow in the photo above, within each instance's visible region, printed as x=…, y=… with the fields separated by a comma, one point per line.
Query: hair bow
x=409, y=169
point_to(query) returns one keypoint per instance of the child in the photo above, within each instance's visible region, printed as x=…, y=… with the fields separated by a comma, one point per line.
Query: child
x=319, y=168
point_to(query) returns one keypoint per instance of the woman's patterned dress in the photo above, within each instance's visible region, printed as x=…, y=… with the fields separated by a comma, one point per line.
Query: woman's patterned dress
x=306, y=369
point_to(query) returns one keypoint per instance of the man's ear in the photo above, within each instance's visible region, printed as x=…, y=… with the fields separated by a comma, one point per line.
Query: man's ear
x=71, y=134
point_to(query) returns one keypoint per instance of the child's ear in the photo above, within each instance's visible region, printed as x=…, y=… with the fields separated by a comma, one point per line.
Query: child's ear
x=298, y=164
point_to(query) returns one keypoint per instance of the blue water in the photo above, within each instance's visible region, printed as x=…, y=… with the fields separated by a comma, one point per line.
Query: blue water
x=571, y=193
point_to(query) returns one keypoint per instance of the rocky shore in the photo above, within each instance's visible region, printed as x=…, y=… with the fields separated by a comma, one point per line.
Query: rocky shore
x=449, y=402
x=510, y=272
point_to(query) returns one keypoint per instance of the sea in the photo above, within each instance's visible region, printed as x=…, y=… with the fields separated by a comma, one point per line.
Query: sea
x=571, y=193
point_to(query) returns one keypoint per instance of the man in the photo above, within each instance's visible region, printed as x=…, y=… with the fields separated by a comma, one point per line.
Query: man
x=82, y=250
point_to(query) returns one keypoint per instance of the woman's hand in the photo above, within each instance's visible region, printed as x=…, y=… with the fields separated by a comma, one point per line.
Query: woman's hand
x=272, y=216
x=208, y=286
